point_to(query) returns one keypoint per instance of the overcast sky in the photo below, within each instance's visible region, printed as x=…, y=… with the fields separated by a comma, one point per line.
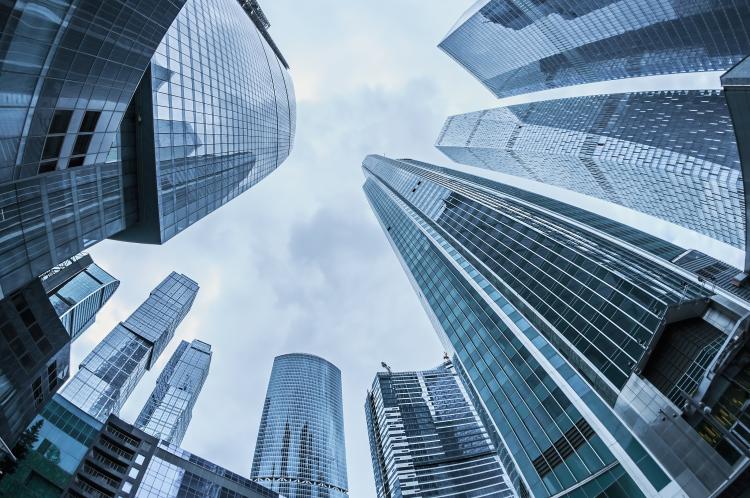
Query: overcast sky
x=298, y=263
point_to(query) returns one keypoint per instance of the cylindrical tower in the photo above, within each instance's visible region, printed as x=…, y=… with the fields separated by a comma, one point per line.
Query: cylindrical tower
x=300, y=448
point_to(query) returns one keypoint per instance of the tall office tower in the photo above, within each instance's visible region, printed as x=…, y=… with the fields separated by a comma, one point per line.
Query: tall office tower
x=427, y=440
x=199, y=83
x=601, y=364
x=37, y=323
x=108, y=375
x=78, y=289
x=300, y=450
x=168, y=411
x=514, y=47
x=669, y=154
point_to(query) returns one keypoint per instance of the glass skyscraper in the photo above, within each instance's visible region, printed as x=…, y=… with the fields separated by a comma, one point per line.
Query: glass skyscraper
x=201, y=85
x=561, y=43
x=167, y=413
x=300, y=450
x=78, y=289
x=669, y=154
x=601, y=365
x=108, y=375
x=427, y=440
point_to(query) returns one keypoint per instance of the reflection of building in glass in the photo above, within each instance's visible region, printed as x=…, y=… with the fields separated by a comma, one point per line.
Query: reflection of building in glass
x=68, y=72
x=108, y=375
x=300, y=449
x=592, y=349
x=514, y=47
x=168, y=411
x=64, y=439
x=214, y=113
x=427, y=440
x=667, y=154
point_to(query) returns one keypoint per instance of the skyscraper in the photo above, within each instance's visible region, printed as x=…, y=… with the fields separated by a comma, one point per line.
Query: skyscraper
x=601, y=364
x=37, y=324
x=669, y=154
x=427, y=440
x=168, y=410
x=199, y=83
x=78, y=289
x=300, y=450
x=108, y=375
x=555, y=44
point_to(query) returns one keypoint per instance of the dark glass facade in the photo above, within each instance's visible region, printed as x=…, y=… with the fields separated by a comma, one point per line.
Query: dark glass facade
x=167, y=412
x=667, y=154
x=559, y=328
x=34, y=357
x=514, y=47
x=202, y=86
x=68, y=70
x=427, y=440
x=300, y=451
x=108, y=375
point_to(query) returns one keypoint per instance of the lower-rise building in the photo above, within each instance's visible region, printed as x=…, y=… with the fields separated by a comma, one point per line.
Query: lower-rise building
x=427, y=439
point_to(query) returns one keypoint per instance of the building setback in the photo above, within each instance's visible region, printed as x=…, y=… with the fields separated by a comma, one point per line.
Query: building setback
x=669, y=154
x=556, y=44
x=600, y=363
x=108, y=375
x=300, y=451
x=199, y=83
x=167, y=412
x=427, y=439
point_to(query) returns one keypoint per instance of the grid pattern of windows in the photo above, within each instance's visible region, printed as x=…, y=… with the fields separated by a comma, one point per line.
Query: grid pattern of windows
x=567, y=42
x=168, y=410
x=426, y=439
x=300, y=450
x=672, y=155
x=599, y=303
x=108, y=375
x=49, y=218
x=64, y=439
x=79, y=299
x=527, y=407
x=223, y=111
x=69, y=69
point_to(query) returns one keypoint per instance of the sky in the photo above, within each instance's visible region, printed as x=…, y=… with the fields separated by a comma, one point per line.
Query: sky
x=299, y=263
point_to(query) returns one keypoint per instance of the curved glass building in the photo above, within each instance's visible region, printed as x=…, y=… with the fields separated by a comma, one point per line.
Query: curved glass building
x=300, y=450
x=427, y=439
x=558, y=43
x=669, y=154
x=199, y=82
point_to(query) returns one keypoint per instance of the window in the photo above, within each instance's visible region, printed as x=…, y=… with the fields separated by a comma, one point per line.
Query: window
x=89, y=121
x=60, y=121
